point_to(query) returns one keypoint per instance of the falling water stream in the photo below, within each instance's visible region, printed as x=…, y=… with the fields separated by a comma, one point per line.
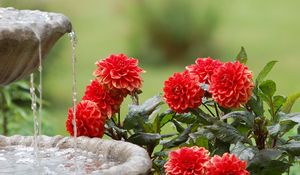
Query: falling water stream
x=37, y=113
x=73, y=40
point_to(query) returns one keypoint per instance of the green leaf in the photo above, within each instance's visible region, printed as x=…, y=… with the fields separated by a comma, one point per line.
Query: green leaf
x=292, y=148
x=266, y=162
x=7, y=98
x=274, y=130
x=186, y=118
x=246, y=116
x=268, y=87
x=179, y=128
x=202, y=132
x=287, y=106
x=256, y=104
x=243, y=152
x=242, y=56
x=278, y=101
x=293, y=116
x=139, y=114
x=181, y=138
x=286, y=126
x=141, y=138
x=226, y=132
x=165, y=118
x=265, y=71
x=201, y=142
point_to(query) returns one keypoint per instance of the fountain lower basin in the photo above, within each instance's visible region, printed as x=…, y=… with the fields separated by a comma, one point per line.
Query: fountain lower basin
x=56, y=156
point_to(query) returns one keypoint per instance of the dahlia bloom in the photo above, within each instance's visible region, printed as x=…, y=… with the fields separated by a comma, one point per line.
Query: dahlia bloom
x=231, y=85
x=88, y=120
x=187, y=161
x=204, y=68
x=182, y=92
x=227, y=164
x=119, y=72
x=107, y=103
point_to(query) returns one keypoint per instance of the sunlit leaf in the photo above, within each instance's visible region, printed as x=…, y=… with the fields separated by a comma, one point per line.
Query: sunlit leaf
x=290, y=101
x=268, y=87
x=265, y=71
x=242, y=56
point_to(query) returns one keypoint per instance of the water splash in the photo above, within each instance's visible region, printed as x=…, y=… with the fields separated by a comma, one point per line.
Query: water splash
x=73, y=40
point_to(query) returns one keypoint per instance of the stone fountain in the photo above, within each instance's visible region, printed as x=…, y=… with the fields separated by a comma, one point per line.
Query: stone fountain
x=24, y=36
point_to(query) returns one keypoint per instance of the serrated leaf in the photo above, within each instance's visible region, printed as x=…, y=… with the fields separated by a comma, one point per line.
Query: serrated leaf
x=226, y=132
x=290, y=101
x=265, y=71
x=242, y=56
x=246, y=116
x=268, y=87
x=244, y=152
x=141, y=138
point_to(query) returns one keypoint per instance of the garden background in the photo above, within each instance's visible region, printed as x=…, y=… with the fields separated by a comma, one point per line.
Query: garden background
x=164, y=36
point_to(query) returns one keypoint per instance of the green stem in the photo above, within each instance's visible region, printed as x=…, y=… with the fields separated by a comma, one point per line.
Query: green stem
x=209, y=110
x=217, y=111
x=119, y=119
x=4, y=124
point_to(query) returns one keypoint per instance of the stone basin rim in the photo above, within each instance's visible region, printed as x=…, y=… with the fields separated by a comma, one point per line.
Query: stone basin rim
x=135, y=160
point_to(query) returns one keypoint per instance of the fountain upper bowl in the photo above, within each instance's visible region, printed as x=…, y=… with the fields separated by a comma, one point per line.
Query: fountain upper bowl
x=21, y=32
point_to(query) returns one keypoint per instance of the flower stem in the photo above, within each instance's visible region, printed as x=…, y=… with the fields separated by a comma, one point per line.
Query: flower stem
x=217, y=111
x=209, y=110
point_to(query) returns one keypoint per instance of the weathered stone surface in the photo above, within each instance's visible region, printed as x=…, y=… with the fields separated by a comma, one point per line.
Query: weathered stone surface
x=135, y=160
x=20, y=32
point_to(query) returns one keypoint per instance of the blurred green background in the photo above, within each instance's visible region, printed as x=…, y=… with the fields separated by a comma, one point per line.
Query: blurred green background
x=166, y=35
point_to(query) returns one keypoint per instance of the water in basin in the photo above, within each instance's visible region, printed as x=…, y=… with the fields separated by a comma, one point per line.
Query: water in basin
x=19, y=160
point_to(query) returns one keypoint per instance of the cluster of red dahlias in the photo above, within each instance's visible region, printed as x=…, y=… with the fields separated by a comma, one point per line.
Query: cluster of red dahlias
x=230, y=85
x=116, y=77
x=196, y=161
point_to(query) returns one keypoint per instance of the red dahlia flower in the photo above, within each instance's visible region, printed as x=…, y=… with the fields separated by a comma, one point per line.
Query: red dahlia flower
x=107, y=103
x=231, y=85
x=227, y=164
x=119, y=72
x=187, y=161
x=182, y=92
x=88, y=120
x=204, y=68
